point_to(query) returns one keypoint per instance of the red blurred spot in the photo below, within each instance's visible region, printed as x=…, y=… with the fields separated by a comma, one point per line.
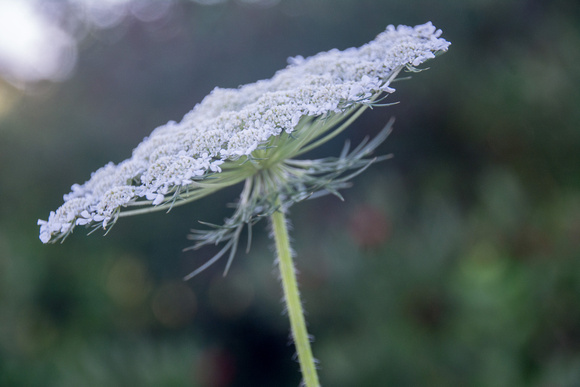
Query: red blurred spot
x=216, y=368
x=369, y=227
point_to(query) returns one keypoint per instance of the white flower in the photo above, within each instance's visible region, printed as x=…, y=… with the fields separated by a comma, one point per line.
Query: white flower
x=232, y=124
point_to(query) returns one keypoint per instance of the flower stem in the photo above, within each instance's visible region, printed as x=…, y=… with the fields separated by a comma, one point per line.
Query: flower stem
x=292, y=298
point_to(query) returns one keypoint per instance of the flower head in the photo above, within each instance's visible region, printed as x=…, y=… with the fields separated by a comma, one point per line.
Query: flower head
x=235, y=133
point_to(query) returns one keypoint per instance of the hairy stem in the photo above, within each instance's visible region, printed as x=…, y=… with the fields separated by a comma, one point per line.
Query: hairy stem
x=292, y=298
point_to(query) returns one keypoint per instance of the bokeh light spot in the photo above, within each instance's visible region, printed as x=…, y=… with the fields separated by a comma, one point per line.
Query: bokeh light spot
x=127, y=282
x=174, y=304
x=32, y=48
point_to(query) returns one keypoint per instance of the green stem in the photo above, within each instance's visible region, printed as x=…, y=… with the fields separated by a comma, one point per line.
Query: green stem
x=292, y=298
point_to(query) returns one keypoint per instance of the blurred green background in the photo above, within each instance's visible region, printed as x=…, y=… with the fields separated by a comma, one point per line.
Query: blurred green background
x=456, y=263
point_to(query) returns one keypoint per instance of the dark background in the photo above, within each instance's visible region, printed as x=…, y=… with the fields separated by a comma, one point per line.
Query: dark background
x=457, y=263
